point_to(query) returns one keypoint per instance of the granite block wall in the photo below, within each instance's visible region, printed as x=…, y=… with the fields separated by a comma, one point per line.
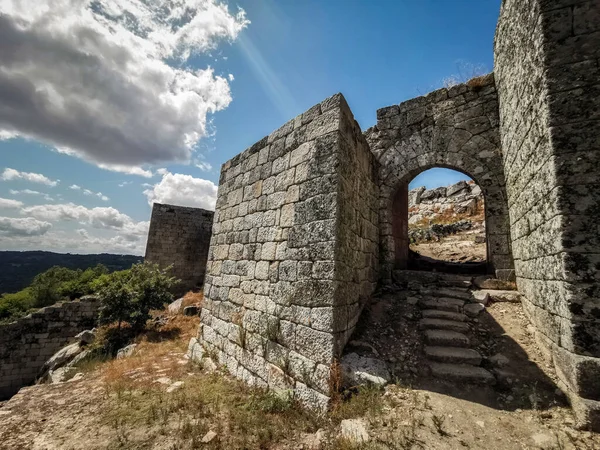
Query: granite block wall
x=548, y=78
x=26, y=344
x=455, y=128
x=180, y=236
x=294, y=253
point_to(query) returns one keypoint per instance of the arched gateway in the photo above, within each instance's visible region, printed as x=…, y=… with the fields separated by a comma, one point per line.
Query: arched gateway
x=456, y=128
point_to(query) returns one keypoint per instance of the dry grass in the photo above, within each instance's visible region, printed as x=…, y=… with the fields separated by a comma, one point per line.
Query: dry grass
x=448, y=217
x=141, y=411
x=478, y=83
x=241, y=417
x=193, y=298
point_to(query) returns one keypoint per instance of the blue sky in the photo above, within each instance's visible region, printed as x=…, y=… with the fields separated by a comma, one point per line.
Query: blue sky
x=268, y=65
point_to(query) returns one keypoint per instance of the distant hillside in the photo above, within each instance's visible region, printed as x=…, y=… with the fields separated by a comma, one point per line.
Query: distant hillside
x=17, y=269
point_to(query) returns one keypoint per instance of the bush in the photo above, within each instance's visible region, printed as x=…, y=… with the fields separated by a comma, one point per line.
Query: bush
x=52, y=286
x=13, y=306
x=129, y=296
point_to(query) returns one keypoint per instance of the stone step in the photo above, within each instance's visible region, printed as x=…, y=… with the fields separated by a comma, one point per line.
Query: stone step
x=461, y=372
x=465, y=283
x=442, y=304
x=443, y=324
x=445, y=338
x=462, y=294
x=454, y=355
x=447, y=315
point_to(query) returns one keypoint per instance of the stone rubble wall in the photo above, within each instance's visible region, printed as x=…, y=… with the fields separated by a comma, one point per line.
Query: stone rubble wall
x=548, y=78
x=459, y=199
x=455, y=128
x=294, y=253
x=25, y=345
x=180, y=236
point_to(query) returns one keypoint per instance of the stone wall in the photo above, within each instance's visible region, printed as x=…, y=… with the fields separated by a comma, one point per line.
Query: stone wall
x=25, y=345
x=548, y=78
x=180, y=236
x=455, y=128
x=294, y=253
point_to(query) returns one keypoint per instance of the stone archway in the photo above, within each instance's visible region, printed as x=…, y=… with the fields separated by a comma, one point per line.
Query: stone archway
x=454, y=128
x=399, y=213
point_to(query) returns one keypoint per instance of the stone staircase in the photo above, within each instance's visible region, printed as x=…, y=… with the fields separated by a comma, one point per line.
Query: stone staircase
x=446, y=330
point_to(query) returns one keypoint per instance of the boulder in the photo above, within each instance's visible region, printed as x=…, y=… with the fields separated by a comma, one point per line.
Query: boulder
x=59, y=375
x=62, y=357
x=354, y=430
x=126, y=352
x=467, y=207
x=414, y=196
x=415, y=218
x=357, y=370
x=86, y=337
x=456, y=188
x=175, y=307
x=481, y=297
x=79, y=358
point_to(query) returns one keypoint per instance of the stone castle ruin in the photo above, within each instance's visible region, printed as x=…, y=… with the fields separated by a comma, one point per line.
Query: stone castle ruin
x=180, y=236
x=310, y=219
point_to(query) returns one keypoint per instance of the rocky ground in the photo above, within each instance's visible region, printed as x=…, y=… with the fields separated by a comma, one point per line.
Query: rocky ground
x=156, y=399
x=448, y=223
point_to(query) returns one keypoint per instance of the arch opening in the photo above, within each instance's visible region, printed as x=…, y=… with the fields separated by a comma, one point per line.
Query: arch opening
x=439, y=223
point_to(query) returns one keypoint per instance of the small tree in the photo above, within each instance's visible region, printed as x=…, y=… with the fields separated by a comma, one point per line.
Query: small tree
x=129, y=296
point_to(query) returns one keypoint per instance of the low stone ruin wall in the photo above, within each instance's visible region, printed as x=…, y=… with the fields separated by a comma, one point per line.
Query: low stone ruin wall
x=180, y=236
x=25, y=345
x=294, y=253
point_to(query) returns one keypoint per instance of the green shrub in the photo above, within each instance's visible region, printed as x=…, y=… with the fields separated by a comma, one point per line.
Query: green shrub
x=13, y=306
x=52, y=286
x=129, y=296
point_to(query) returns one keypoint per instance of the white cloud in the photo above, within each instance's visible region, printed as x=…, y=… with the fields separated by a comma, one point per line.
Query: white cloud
x=6, y=135
x=125, y=183
x=12, y=174
x=99, y=217
x=7, y=203
x=231, y=77
x=100, y=195
x=30, y=192
x=134, y=170
x=162, y=171
x=75, y=187
x=204, y=166
x=10, y=226
x=91, y=78
x=80, y=241
x=183, y=190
